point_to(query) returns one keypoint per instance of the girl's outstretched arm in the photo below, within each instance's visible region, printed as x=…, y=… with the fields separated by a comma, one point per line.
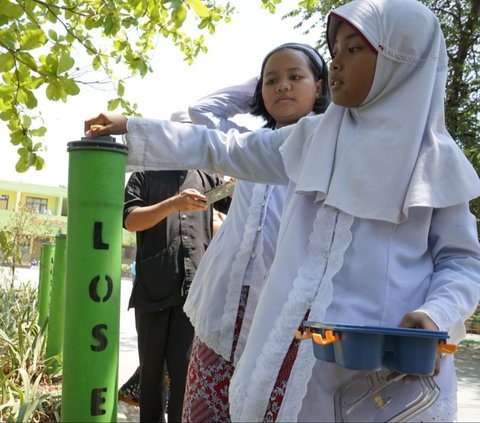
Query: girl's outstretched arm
x=165, y=145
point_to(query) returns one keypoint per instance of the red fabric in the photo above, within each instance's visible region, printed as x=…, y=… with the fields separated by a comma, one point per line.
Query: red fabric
x=242, y=305
x=208, y=378
x=278, y=391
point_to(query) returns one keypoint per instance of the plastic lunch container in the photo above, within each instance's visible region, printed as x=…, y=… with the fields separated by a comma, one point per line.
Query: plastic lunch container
x=369, y=348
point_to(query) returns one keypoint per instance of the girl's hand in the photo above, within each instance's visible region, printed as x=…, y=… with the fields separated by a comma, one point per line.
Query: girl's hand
x=189, y=200
x=106, y=124
x=419, y=320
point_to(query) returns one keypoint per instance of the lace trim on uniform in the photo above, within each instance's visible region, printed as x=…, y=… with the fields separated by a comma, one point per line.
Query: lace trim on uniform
x=253, y=296
x=202, y=331
x=237, y=393
x=237, y=273
x=303, y=367
x=405, y=58
x=393, y=54
x=300, y=299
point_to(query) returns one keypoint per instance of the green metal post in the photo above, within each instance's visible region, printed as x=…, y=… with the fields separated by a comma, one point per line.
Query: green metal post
x=96, y=180
x=57, y=306
x=45, y=281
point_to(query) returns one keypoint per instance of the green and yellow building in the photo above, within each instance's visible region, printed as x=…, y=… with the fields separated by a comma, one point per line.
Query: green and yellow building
x=48, y=206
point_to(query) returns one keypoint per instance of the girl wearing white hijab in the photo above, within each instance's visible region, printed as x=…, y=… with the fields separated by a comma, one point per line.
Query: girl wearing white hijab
x=227, y=284
x=376, y=228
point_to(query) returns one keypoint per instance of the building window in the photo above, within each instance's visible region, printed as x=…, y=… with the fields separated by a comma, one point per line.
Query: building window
x=3, y=202
x=37, y=205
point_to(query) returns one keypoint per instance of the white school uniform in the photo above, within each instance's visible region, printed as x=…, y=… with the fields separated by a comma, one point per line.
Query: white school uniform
x=243, y=250
x=325, y=261
x=376, y=221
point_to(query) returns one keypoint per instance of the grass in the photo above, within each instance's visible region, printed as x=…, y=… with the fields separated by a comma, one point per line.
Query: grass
x=469, y=342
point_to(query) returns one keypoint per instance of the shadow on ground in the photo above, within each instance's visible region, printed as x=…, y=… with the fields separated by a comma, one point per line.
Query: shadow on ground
x=467, y=361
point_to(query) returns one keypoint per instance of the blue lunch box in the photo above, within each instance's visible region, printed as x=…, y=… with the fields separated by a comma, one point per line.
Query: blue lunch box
x=369, y=348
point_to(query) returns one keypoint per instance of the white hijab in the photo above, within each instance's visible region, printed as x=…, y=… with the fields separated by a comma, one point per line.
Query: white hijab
x=393, y=152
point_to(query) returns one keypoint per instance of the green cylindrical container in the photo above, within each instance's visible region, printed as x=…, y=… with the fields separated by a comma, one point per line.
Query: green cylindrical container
x=57, y=306
x=96, y=180
x=45, y=281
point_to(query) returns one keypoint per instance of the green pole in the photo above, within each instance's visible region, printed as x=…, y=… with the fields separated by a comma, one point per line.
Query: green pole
x=45, y=281
x=57, y=306
x=96, y=180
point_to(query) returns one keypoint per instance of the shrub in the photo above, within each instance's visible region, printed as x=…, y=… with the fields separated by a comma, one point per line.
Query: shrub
x=27, y=393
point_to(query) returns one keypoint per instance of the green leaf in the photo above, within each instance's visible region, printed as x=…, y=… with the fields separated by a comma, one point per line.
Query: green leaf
x=27, y=97
x=96, y=63
x=51, y=17
x=39, y=132
x=6, y=62
x=65, y=63
x=26, y=122
x=198, y=7
x=17, y=137
x=52, y=35
x=113, y=104
x=22, y=165
x=108, y=25
x=23, y=152
x=8, y=39
x=90, y=23
x=121, y=89
x=7, y=90
x=39, y=162
x=71, y=88
x=27, y=59
x=32, y=39
x=14, y=123
x=36, y=82
x=51, y=63
x=6, y=114
x=10, y=10
x=54, y=90
x=179, y=15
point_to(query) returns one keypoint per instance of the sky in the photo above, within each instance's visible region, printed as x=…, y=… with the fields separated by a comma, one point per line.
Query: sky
x=235, y=53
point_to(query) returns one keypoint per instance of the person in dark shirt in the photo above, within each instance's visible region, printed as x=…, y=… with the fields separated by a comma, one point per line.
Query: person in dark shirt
x=173, y=226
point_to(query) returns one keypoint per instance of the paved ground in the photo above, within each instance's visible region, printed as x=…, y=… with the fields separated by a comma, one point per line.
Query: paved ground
x=467, y=360
x=128, y=360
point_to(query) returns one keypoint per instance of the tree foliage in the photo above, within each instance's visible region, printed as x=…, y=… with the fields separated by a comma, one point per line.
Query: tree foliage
x=15, y=236
x=460, y=20
x=56, y=45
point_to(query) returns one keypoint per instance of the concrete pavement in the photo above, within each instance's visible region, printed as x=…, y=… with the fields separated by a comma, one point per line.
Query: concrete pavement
x=128, y=359
x=467, y=361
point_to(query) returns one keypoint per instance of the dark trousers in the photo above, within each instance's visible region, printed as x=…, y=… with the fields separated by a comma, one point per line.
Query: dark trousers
x=164, y=337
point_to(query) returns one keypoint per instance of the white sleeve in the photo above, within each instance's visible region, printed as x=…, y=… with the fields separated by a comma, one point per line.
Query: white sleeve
x=216, y=110
x=165, y=145
x=455, y=286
